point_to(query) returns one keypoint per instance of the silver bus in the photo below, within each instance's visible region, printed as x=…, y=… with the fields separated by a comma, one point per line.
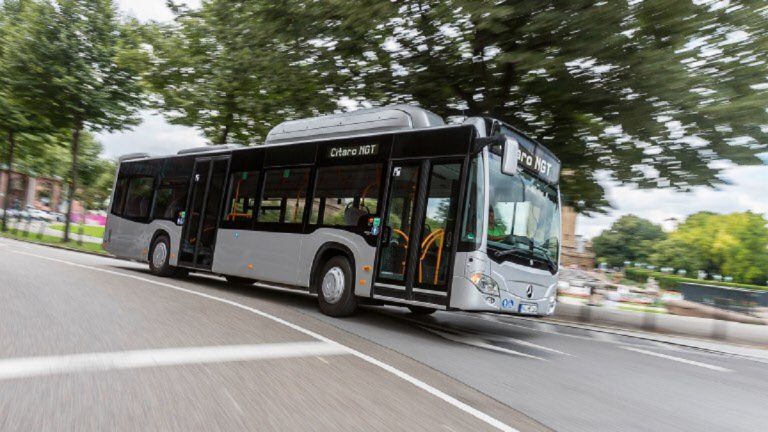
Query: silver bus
x=380, y=206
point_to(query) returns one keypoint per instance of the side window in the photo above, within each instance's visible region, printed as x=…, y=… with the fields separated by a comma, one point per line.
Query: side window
x=139, y=197
x=171, y=197
x=118, y=195
x=285, y=192
x=346, y=194
x=241, y=200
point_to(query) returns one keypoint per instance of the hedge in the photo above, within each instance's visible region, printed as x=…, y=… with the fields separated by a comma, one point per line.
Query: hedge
x=669, y=281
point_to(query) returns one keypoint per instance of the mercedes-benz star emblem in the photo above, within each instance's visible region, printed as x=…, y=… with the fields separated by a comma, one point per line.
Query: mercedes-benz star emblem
x=529, y=291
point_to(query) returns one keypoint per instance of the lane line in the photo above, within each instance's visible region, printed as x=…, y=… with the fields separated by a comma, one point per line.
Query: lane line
x=533, y=345
x=678, y=359
x=480, y=415
x=13, y=368
x=476, y=342
x=502, y=338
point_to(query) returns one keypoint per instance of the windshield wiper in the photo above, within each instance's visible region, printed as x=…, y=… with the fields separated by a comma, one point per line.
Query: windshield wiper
x=545, y=254
x=545, y=258
x=513, y=251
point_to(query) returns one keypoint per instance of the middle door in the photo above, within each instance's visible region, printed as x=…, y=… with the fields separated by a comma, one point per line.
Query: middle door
x=415, y=254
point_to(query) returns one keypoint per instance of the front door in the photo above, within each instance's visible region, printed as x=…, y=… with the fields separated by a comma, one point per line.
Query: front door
x=203, y=212
x=415, y=257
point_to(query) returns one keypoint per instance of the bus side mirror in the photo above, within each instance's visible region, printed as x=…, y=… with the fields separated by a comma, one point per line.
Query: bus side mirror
x=510, y=157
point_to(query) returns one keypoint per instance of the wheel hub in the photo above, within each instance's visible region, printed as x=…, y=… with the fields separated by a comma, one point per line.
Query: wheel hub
x=333, y=285
x=160, y=254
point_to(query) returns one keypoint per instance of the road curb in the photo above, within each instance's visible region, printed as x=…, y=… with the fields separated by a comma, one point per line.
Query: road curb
x=104, y=254
x=672, y=325
x=754, y=352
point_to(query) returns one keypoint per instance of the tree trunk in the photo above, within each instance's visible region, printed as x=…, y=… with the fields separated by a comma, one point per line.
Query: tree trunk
x=72, y=180
x=224, y=135
x=7, y=191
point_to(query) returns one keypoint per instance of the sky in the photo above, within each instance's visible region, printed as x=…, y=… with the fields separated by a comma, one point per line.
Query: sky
x=748, y=188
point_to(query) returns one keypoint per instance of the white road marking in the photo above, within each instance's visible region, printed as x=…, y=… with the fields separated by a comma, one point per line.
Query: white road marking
x=12, y=368
x=533, y=345
x=486, y=418
x=476, y=342
x=678, y=359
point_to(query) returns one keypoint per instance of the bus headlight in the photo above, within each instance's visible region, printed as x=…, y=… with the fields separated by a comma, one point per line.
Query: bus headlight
x=485, y=284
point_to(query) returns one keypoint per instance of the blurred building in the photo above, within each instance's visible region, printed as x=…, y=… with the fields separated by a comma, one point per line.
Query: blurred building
x=577, y=251
x=43, y=193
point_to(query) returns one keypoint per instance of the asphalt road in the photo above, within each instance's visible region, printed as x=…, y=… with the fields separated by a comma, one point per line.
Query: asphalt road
x=92, y=343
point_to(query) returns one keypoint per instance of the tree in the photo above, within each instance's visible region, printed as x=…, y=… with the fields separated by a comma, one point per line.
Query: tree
x=630, y=238
x=649, y=92
x=81, y=70
x=735, y=244
x=234, y=69
x=15, y=119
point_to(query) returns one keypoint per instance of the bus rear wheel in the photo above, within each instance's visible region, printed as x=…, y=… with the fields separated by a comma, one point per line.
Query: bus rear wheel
x=335, y=290
x=159, y=258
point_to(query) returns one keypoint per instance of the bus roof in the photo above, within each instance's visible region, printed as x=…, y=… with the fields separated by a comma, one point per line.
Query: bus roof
x=383, y=119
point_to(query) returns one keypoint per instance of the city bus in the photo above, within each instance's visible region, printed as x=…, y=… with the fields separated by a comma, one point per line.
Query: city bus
x=386, y=205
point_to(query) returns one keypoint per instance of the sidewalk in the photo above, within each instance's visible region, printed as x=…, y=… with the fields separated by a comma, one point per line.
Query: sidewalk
x=34, y=228
x=702, y=333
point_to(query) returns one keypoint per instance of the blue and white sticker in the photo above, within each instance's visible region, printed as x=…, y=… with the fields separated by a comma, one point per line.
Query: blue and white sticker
x=506, y=303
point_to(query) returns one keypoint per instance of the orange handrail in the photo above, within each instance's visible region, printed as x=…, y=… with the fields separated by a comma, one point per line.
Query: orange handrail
x=402, y=234
x=425, y=245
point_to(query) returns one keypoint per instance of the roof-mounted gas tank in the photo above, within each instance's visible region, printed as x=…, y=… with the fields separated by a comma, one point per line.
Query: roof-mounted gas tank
x=373, y=120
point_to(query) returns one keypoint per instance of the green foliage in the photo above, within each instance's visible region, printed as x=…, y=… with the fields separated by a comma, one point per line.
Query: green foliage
x=71, y=53
x=670, y=282
x=89, y=230
x=236, y=68
x=617, y=86
x=630, y=238
x=651, y=92
x=735, y=244
x=81, y=69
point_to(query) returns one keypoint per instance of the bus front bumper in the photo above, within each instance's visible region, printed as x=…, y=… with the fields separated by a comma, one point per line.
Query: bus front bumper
x=466, y=296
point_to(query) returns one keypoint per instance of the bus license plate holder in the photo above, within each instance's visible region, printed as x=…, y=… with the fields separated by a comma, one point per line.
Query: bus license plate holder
x=528, y=308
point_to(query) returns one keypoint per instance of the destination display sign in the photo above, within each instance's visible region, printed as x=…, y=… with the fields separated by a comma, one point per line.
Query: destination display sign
x=347, y=151
x=536, y=159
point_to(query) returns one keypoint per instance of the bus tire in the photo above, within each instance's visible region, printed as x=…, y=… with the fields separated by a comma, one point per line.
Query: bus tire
x=237, y=280
x=159, y=257
x=421, y=310
x=335, y=288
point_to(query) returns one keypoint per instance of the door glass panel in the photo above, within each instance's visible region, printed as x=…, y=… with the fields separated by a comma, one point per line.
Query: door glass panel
x=200, y=180
x=402, y=198
x=210, y=218
x=439, y=223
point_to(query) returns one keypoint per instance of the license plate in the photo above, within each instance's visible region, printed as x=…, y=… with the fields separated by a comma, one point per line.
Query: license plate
x=529, y=308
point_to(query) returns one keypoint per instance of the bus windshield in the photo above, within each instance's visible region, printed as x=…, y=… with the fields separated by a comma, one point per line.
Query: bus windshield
x=523, y=217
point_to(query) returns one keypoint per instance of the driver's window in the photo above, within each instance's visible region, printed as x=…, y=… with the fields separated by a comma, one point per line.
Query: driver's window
x=346, y=195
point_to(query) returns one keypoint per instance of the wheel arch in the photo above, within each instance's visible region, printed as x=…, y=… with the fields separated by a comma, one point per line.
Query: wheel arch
x=158, y=233
x=324, y=253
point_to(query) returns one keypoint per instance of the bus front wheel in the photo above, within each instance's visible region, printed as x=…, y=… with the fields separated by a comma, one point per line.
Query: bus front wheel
x=335, y=288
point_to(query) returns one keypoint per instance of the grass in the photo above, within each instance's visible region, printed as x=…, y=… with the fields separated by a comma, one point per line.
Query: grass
x=74, y=229
x=53, y=241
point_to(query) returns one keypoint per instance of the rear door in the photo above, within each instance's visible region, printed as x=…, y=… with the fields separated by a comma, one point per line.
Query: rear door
x=203, y=212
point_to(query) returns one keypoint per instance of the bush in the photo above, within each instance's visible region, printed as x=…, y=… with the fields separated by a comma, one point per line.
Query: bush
x=670, y=282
